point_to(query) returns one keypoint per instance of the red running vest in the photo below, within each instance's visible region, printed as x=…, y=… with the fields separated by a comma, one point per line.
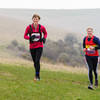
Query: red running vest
x=88, y=44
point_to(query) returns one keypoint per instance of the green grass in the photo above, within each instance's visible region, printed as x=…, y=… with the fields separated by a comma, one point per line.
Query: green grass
x=16, y=83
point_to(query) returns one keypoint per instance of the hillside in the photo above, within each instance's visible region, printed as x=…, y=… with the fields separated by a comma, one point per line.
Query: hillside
x=64, y=75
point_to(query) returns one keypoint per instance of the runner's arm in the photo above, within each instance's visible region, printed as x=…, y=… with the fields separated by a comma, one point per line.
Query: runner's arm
x=97, y=41
x=26, y=33
x=84, y=43
x=44, y=32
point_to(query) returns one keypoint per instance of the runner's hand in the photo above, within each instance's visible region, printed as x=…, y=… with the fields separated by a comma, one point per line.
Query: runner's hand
x=91, y=48
x=84, y=50
x=32, y=37
x=44, y=40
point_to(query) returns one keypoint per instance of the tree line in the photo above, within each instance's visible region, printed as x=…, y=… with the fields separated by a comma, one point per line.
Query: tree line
x=67, y=51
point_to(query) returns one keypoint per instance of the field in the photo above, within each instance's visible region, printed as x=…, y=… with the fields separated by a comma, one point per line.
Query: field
x=16, y=83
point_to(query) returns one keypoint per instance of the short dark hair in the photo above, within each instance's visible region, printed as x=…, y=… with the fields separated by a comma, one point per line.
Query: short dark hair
x=36, y=15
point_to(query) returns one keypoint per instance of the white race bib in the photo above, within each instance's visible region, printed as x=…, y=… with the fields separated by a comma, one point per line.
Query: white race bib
x=37, y=36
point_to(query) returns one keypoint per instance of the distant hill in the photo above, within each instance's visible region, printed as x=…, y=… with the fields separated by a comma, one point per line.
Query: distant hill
x=57, y=22
x=13, y=29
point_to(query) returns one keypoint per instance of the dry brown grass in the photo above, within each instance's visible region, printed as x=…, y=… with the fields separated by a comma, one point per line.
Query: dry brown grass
x=45, y=65
x=63, y=68
x=15, y=61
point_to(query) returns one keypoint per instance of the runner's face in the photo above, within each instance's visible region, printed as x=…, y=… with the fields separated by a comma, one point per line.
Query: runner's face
x=35, y=20
x=89, y=32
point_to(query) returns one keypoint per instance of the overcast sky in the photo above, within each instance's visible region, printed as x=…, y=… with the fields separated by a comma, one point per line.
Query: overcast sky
x=50, y=4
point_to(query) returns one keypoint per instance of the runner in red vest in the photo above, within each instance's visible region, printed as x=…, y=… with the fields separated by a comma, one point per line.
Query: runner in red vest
x=36, y=34
x=91, y=44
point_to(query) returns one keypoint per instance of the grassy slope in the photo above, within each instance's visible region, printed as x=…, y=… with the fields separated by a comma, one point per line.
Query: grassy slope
x=16, y=83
